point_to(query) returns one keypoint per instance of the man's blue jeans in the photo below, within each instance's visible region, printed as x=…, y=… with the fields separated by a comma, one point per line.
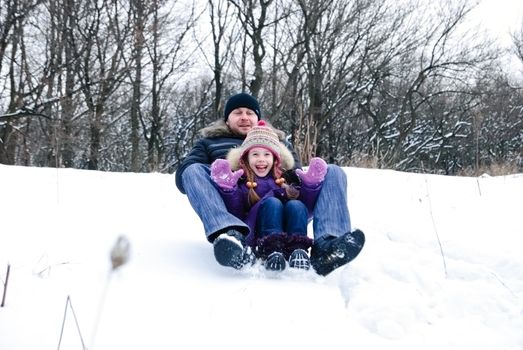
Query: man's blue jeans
x=331, y=213
x=330, y=216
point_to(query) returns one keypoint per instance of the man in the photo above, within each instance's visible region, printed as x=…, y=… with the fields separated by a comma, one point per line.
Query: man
x=334, y=243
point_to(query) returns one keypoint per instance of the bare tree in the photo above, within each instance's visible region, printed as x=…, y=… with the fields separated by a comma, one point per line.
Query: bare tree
x=120, y=85
x=168, y=57
x=12, y=22
x=325, y=66
x=105, y=33
x=517, y=42
x=220, y=13
x=498, y=128
x=435, y=66
x=138, y=15
x=253, y=17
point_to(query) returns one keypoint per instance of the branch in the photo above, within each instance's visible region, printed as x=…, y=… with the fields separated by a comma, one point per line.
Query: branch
x=24, y=112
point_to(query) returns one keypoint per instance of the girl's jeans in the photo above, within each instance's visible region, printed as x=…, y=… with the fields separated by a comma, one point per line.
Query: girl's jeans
x=275, y=217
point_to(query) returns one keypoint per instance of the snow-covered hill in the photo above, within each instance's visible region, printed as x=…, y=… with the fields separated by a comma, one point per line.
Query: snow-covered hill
x=442, y=269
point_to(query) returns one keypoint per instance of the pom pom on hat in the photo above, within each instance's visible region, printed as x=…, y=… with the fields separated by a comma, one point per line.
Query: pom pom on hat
x=241, y=100
x=262, y=136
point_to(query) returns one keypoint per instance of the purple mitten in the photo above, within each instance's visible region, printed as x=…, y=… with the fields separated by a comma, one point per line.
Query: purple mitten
x=223, y=176
x=315, y=173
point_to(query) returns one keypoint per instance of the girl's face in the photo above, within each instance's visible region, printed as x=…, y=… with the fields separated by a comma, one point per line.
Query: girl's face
x=260, y=161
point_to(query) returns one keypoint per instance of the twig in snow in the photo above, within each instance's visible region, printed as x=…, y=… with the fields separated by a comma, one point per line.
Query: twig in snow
x=119, y=256
x=5, y=285
x=435, y=229
x=120, y=252
x=98, y=317
x=479, y=187
x=503, y=283
x=49, y=267
x=69, y=304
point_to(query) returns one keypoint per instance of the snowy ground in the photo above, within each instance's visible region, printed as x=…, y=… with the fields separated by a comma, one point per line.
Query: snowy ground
x=442, y=269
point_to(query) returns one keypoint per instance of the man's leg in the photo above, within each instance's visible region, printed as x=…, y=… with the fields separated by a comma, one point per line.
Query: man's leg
x=331, y=213
x=224, y=230
x=334, y=242
x=208, y=204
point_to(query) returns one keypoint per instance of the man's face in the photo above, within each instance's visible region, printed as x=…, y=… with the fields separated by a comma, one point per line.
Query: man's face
x=241, y=120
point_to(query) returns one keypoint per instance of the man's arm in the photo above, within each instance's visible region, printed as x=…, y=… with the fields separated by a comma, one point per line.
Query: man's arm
x=198, y=154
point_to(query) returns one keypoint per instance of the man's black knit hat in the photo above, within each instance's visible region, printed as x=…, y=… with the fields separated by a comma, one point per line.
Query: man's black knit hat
x=241, y=100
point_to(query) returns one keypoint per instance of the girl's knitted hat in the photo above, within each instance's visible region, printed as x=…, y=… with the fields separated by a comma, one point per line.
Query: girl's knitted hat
x=262, y=136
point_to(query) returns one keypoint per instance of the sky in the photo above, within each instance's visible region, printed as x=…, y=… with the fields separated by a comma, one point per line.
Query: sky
x=500, y=19
x=501, y=16
x=441, y=269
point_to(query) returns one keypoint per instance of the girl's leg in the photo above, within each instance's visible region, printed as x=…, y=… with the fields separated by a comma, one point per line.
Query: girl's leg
x=270, y=217
x=295, y=218
x=297, y=245
x=269, y=229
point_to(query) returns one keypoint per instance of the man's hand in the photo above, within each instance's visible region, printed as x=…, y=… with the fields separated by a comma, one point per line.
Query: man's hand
x=223, y=176
x=315, y=174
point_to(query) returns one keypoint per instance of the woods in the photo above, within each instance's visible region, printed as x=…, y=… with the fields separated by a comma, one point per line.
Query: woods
x=125, y=85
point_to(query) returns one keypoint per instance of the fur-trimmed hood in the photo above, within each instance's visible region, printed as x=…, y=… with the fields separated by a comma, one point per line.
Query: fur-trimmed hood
x=287, y=160
x=220, y=129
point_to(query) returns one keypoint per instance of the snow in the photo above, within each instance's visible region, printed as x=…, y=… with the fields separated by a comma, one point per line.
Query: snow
x=442, y=268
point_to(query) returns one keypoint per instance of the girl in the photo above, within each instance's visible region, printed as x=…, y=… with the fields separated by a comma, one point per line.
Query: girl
x=258, y=186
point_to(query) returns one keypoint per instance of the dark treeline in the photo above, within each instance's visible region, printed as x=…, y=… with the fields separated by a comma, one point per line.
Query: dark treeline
x=125, y=85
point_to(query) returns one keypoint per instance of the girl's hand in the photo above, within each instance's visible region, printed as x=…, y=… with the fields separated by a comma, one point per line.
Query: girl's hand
x=315, y=174
x=223, y=176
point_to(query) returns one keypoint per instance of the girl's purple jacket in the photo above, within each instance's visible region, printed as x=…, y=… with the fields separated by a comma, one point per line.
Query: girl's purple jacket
x=237, y=201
